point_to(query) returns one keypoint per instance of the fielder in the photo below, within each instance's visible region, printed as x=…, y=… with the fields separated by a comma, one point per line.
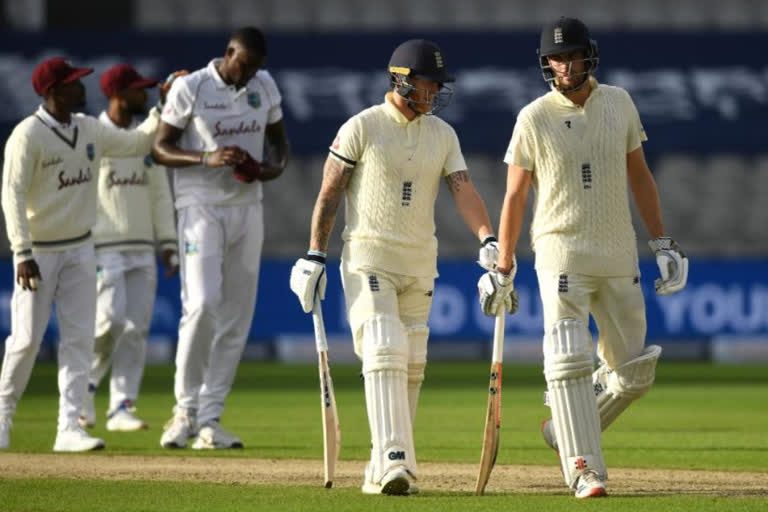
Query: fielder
x=49, y=201
x=387, y=161
x=578, y=146
x=213, y=130
x=135, y=212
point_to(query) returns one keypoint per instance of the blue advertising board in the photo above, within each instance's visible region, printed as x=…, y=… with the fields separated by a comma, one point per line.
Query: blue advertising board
x=722, y=298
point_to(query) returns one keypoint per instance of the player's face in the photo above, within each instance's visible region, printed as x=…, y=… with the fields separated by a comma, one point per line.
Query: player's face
x=241, y=65
x=134, y=101
x=70, y=95
x=423, y=95
x=569, y=68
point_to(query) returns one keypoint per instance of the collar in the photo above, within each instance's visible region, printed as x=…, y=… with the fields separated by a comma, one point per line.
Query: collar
x=562, y=99
x=51, y=121
x=220, y=83
x=392, y=111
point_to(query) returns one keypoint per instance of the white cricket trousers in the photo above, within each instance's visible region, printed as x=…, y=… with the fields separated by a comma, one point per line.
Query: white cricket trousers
x=221, y=248
x=126, y=283
x=69, y=280
x=616, y=304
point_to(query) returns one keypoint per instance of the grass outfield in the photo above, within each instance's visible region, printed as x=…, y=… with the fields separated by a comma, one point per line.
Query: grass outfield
x=697, y=416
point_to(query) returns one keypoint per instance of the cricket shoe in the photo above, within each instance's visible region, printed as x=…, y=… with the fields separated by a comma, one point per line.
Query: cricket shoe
x=213, y=437
x=397, y=482
x=123, y=419
x=88, y=412
x=5, y=432
x=75, y=439
x=589, y=485
x=179, y=428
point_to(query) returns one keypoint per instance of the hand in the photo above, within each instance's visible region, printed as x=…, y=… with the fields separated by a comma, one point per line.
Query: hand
x=248, y=171
x=164, y=87
x=225, y=156
x=673, y=266
x=307, y=281
x=28, y=274
x=170, y=263
x=497, y=293
x=489, y=253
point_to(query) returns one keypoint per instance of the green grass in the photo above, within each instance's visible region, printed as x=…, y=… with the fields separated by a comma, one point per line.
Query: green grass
x=697, y=416
x=126, y=496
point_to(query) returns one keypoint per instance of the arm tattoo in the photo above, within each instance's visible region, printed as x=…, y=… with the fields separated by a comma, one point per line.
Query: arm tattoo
x=335, y=179
x=456, y=179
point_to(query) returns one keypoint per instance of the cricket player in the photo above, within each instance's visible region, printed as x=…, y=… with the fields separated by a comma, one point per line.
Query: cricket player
x=388, y=161
x=213, y=130
x=135, y=213
x=49, y=200
x=578, y=146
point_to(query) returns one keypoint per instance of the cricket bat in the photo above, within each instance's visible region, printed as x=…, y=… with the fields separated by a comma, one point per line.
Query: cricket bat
x=331, y=431
x=493, y=416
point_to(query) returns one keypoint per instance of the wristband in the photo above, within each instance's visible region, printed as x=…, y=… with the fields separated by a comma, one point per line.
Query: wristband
x=487, y=240
x=318, y=256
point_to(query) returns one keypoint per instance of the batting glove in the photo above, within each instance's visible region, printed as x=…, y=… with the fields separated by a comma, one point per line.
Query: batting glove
x=489, y=253
x=673, y=265
x=497, y=293
x=308, y=280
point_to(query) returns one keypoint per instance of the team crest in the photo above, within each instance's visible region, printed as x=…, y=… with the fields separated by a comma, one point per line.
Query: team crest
x=254, y=99
x=558, y=35
x=190, y=248
x=148, y=161
x=90, y=151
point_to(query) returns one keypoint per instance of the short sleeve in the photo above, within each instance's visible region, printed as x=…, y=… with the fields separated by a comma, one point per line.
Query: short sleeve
x=635, y=131
x=347, y=147
x=521, y=148
x=275, y=113
x=178, y=104
x=454, y=159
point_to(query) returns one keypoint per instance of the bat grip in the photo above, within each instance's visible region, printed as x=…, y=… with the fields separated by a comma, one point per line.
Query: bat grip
x=321, y=342
x=498, y=338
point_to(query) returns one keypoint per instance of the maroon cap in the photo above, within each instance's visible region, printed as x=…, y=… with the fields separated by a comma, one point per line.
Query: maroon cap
x=56, y=71
x=123, y=76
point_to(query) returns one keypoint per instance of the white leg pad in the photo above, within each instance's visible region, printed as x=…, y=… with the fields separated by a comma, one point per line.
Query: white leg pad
x=385, y=363
x=617, y=389
x=417, y=362
x=568, y=368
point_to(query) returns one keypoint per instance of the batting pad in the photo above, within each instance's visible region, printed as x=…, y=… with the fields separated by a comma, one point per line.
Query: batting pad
x=616, y=389
x=417, y=362
x=568, y=367
x=385, y=359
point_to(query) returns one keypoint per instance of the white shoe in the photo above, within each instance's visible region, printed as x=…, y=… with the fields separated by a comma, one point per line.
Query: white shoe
x=5, y=432
x=178, y=429
x=397, y=481
x=124, y=419
x=213, y=437
x=75, y=439
x=88, y=413
x=589, y=485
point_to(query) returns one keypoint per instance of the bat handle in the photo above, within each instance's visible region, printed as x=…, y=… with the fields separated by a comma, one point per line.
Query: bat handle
x=498, y=338
x=321, y=342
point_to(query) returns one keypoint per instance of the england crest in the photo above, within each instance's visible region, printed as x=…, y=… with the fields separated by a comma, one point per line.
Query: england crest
x=254, y=99
x=148, y=161
x=90, y=151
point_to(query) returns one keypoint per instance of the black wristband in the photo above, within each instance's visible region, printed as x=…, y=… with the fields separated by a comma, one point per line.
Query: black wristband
x=488, y=239
x=313, y=256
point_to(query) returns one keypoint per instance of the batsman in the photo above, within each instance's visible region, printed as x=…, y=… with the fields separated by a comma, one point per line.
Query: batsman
x=388, y=161
x=579, y=146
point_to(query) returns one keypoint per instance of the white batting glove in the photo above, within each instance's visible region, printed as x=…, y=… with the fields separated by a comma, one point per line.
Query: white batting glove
x=307, y=281
x=489, y=253
x=497, y=293
x=673, y=265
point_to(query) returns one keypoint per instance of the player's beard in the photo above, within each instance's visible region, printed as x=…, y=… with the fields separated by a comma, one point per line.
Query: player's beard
x=576, y=83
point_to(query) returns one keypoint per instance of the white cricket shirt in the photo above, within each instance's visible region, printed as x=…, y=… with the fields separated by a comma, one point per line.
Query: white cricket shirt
x=212, y=115
x=390, y=200
x=134, y=208
x=49, y=177
x=578, y=156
